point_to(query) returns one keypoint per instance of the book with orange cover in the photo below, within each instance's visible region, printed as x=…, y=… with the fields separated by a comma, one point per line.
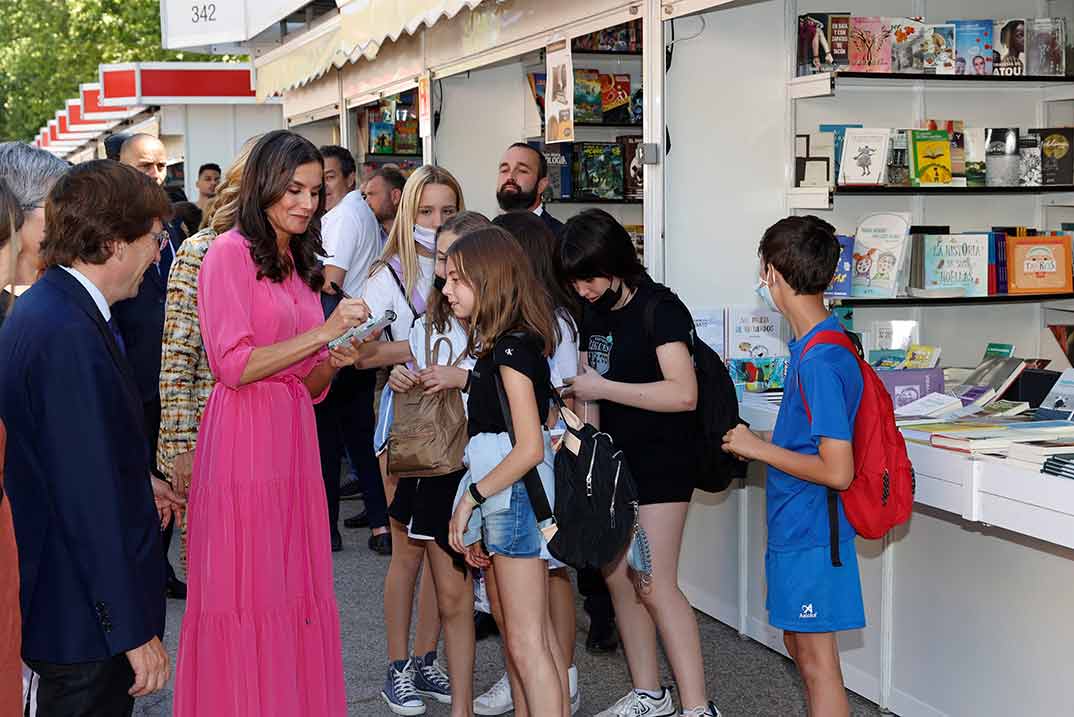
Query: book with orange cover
x=1039, y=265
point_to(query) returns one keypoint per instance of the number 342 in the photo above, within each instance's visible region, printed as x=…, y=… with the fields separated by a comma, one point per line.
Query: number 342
x=203, y=13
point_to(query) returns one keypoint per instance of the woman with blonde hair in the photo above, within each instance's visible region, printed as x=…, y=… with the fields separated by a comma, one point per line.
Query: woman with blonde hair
x=400, y=281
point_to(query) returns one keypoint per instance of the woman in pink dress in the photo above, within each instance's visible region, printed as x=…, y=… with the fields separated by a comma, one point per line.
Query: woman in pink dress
x=260, y=637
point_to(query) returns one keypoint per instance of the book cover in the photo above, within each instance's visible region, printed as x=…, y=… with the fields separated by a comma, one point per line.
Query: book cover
x=1029, y=174
x=957, y=261
x=895, y=335
x=997, y=350
x=839, y=40
x=939, y=58
x=1061, y=397
x=709, y=326
x=931, y=152
x=754, y=332
x=910, y=384
x=537, y=82
x=887, y=359
x=898, y=170
x=840, y=284
x=870, y=44
x=615, y=98
x=633, y=172
x=759, y=374
x=559, y=157
x=956, y=131
x=1056, y=157
x=587, y=97
x=814, y=48
x=1045, y=46
x=839, y=133
x=922, y=356
x=995, y=373
x=973, y=139
x=598, y=170
x=382, y=137
x=865, y=154
x=1009, y=41
x=881, y=257
x=1003, y=163
x=822, y=146
x=907, y=45
x=973, y=47
x=406, y=136
x=1039, y=265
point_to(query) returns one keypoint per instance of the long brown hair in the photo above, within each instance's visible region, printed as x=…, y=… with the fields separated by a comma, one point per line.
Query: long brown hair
x=265, y=179
x=221, y=213
x=507, y=296
x=436, y=306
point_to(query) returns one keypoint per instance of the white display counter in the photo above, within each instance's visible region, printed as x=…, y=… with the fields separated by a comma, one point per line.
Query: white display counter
x=967, y=606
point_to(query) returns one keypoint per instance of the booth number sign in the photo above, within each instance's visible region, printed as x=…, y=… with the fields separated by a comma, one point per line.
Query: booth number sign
x=203, y=13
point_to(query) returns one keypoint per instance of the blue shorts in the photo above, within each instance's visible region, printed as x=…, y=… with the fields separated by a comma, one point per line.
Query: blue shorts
x=385, y=417
x=807, y=594
x=513, y=532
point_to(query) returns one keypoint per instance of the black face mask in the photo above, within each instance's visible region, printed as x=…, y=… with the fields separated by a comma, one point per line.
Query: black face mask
x=439, y=283
x=516, y=201
x=608, y=299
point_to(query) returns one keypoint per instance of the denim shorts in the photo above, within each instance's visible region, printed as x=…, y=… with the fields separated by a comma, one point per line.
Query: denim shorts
x=513, y=532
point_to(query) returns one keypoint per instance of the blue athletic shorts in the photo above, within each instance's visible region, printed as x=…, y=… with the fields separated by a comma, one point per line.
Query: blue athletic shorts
x=807, y=594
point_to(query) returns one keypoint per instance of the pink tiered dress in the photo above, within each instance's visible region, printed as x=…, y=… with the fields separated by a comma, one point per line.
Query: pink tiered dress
x=260, y=637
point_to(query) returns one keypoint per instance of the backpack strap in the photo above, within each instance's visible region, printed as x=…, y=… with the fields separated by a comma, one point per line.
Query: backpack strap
x=406, y=298
x=839, y=338
x=532, y=480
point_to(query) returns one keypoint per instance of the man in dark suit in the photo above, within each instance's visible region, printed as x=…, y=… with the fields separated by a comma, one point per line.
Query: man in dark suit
x=78, y=468
x=522, y=182
x=141, y=318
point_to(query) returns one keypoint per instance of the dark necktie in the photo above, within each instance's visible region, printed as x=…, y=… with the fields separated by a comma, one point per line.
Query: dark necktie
x=117, y=336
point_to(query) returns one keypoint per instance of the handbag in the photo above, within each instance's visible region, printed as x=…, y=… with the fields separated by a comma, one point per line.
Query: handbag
x=428, y=435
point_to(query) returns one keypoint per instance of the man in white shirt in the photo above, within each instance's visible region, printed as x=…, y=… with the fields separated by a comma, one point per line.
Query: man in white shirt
x=345, y=421
x=523, y=179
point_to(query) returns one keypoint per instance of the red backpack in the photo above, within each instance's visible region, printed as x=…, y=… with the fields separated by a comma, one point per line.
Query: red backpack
x=881, y=495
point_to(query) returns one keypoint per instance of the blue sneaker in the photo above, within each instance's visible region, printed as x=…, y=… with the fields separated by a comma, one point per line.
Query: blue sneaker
x=399, y=690
x=430, y=680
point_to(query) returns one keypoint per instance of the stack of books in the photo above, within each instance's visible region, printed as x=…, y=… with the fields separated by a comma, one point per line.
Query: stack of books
x=1060, y=465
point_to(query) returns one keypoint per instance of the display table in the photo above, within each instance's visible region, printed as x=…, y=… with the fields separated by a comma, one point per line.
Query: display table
x=967, y=607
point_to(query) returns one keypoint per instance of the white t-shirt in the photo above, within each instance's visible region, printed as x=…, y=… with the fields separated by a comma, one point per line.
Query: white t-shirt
x=382, y=293
x=351, y=237
x=564, y=360
x=456, y=336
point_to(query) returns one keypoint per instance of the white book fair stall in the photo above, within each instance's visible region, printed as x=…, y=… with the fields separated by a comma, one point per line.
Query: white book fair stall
x=935, y=135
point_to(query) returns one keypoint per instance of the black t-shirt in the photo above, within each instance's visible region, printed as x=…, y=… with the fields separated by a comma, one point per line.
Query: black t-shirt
x=620, y=349
x=523, y=354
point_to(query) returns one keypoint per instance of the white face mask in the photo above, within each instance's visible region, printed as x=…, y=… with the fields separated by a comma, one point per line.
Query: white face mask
x=765, y=292
x=425, y=237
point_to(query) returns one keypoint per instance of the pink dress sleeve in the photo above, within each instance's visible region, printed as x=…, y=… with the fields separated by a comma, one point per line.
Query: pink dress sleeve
x=225, y=295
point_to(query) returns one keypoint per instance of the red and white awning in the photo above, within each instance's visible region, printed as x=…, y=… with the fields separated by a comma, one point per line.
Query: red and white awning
x=176, y=83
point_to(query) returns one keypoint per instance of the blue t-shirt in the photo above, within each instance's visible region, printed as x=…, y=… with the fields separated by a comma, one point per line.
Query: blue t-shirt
x=832, y=383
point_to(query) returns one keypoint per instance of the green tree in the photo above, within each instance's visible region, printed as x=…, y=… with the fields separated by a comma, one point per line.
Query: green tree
x=49, y=47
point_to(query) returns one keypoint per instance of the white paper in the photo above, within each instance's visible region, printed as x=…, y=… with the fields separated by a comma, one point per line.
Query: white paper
x=709, y=327
x=559, y=93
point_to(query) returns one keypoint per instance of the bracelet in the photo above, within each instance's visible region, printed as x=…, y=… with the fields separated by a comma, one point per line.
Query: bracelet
x=476, y=494
x=469, y=380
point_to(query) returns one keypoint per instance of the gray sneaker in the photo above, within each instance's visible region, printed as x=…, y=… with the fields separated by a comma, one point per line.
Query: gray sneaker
x=430, y=680
x=640, y=704
x=399, y=691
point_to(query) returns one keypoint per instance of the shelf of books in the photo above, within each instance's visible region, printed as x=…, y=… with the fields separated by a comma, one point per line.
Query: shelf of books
x=825, y=84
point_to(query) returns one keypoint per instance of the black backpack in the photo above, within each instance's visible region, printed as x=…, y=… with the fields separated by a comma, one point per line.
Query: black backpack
x=717, y=409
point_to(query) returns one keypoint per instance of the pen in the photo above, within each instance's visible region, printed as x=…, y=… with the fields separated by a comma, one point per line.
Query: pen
x=336, y=288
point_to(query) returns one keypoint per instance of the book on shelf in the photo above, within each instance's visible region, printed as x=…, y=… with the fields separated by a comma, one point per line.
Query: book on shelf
x=922, y=356
x=956, y=133
x=887, y=359
x=406, y=136
x=898, y=169
x=1029, y=160
x=998, y=350
x=710, y=327
x=382, y=137
x=822, y=147
x=981, y=440
x=1039, y=451
x=930, y=158
x=623, y=38
x=587, y=97
x=559, y=157
x=537, y=83
x=956, y=261
x=881, y=255
x=939, y=49
x=1056, y=155
x=907, y=45
x=1045, y=47
x=839, y=39
x=815, y=42
x=973, y=47
x=1060, y=466
x=759, y=374
x=1061, y=397
x=1009, y=40
x=633, y=170
x=637, y=238
x=865, y=155
x=995, y=373
x=973, y=139
x=1039, y=264
x=598, y=170
x=908, y=385
x=754, y=332
x=870, y=44
x=1002, y=160
x=1003, y=409
x=840, y=284
x=839, y=134
x=615, y=98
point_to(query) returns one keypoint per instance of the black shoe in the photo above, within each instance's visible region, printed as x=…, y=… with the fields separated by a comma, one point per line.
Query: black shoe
x=381, y=544
x=484, y=625
x=357, y=521
x=337, y=542
x=176, y=589
x=603, y=637
x=350, y=490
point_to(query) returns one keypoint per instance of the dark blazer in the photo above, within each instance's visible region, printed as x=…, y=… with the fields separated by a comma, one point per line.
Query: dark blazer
x=554, y=224
x=77, y=475
x=141, y=321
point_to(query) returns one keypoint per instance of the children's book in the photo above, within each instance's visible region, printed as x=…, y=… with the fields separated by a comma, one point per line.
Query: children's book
x=870, y=44
x=956, y=131
x=940, y=50
x=587, y=97
x=930, y=157
x=922, y=356
x=598, y=170
x=1009, y=57
x=881, y=255
x=1003, y=163
x=1029, y=174
x=1045, y=41
x=839, y=132
x=907, y=45
x=957, y=261
x=887, y=359
x=976, y=168
x=615, y=98
x=382, y=137
x=754, y=332
x=840, y=284
x=1039, y=264
x=973, y=45
x=865, y=155
x=1056, y=155
x=759, y=374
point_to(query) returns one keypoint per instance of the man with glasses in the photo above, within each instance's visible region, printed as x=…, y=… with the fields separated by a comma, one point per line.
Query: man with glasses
x=141, y=319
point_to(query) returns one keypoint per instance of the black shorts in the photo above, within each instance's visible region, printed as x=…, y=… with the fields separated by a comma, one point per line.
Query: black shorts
x=425, y=505
x=661, y=475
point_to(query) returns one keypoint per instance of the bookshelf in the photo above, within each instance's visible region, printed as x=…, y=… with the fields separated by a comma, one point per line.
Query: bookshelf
x=823, y=198
x=826, y=84
x=950, y=301
x=595, y=201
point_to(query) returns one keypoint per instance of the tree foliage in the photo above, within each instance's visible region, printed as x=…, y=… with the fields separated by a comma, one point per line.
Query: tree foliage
x=49, y=47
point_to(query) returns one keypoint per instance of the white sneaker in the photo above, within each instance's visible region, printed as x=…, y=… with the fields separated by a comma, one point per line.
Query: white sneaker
x=639, y=704
x=497, y=700
x=576, y=694
x=709, y=711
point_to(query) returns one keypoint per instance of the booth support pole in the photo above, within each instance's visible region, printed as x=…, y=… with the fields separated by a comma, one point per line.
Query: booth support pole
x=653, y=134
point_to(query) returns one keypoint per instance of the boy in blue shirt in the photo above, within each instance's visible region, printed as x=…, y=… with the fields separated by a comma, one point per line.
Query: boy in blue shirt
x=809, y=598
